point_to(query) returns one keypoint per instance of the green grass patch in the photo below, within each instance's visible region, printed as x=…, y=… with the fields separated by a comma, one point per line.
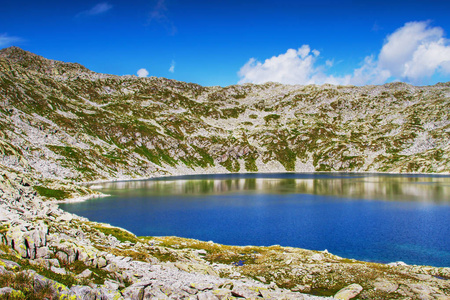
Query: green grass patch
x=271, y=117
x=118, y=233
x=51, y=193
x=207, y=159
x=231, y=165
x=250, y=164
x=232, y=112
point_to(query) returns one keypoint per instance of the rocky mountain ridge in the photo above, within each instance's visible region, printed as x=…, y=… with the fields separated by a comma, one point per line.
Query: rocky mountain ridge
x=62, y=121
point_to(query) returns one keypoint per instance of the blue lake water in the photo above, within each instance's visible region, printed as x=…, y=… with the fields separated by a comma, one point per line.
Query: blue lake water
x=371, y=217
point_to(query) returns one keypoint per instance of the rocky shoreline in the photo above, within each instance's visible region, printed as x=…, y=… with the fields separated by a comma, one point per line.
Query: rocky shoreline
x=72, y=258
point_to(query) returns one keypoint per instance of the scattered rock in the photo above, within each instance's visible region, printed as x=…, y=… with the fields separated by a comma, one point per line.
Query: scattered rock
x=206, y=296
x=6, y=290
x=201, y=286
x=85, y=274
x=386, y=286
x=397, y=263
x=349, y=292
x=245, y=292
x=58, y=270
x=9, y=264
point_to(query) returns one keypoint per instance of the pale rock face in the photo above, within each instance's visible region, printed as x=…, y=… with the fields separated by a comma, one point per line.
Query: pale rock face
x=386, y=286
x=6, y=291
x=349, y=292
x=27, y=242
x=58, y=270
x=43, y=252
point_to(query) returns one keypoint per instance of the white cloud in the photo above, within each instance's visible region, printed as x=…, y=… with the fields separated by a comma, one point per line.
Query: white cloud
x=412, y=53
x=172, y=67
x=294, y=66
x=160, y=15
x=6, y=40
x=142, y=72
x=98, y=9
x=415, y=51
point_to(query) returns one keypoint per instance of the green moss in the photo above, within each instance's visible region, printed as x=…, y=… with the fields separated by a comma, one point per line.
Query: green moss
x=253, y=116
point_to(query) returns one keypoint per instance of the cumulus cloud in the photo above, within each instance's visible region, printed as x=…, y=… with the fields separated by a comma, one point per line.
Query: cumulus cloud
x=172, y=67
x=412, y=53
x=98, y=9
x=415, y=51
x=294, y=66
x=6, y=40
x=142, y=72
x=159, y=14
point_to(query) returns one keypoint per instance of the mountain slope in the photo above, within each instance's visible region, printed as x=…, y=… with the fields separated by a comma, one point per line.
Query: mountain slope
x=62, y=121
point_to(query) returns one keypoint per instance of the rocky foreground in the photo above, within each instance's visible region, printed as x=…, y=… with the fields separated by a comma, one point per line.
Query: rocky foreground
x=49, y=253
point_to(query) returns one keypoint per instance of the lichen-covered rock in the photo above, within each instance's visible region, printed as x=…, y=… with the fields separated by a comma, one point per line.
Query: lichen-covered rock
x=206, y=296
x=245, y=292
x=43, y=252
x=84, y=292
x=9, y=264
x=26, y=241
x=4, y=291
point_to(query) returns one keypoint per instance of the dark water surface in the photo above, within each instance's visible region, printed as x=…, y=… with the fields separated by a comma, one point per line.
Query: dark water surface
x=372, y=217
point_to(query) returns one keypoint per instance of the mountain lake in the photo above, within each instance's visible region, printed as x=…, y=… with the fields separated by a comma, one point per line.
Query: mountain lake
x=370, y=217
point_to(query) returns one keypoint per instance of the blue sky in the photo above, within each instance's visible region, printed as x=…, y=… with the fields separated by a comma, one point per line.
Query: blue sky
x=228, y=42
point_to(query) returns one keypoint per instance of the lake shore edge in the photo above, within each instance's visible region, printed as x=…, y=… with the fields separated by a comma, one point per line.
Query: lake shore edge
x=39, y=233
x=246, y=173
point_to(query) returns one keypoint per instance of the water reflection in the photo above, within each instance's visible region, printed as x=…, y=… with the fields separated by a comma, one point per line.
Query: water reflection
x=360, y=186
x=309, y=211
